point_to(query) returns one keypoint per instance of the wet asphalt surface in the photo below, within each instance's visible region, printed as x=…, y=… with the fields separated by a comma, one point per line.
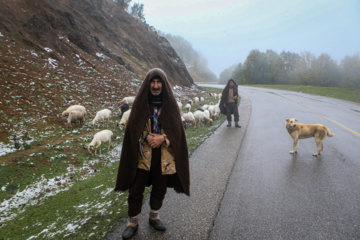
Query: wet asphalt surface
x=246, y=185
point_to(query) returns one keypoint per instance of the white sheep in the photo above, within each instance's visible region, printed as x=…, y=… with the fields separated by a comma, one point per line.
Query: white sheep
x=125, y=117
x=200, y=117
x=216, y=111
x=202, y=99
x=100, y=137
x=205, y=107
x=219, y=95
x=211, y=109
x=74, y=116
x=180, y=105
x=189, y=118
x=207, y=113
x=196, y=99
x=188, y=107
x=72, y=107
x=102, y=116
x=128, y=100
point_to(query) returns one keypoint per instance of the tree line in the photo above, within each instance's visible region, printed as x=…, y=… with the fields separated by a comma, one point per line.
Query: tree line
x=298, y=69
x=136, y=10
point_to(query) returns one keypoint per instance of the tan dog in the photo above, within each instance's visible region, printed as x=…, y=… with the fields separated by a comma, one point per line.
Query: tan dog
x=300, y=131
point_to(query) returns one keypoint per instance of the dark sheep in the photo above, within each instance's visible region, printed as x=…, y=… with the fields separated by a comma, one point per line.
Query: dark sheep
x=123, y=108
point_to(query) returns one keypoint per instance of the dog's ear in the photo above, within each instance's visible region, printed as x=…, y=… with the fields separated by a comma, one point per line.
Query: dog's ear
x=287, y=119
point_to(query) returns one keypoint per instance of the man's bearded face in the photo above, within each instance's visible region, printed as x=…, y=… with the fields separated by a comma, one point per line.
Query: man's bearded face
x=155, y=87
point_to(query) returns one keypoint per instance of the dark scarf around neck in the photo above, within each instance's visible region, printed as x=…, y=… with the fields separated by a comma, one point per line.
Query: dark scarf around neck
x=155, y=100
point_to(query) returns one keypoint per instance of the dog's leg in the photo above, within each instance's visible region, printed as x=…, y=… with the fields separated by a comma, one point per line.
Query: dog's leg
x=295, y=146
x=319, y=146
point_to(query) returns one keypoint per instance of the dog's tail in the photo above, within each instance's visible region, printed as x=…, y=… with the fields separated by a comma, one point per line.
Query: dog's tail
x=329, y=133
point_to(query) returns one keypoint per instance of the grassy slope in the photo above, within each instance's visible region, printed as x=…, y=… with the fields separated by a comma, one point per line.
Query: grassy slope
x=85, y=207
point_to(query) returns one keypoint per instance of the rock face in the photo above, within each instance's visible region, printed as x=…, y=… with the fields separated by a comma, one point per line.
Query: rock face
x=89, y=52
x=88, y=27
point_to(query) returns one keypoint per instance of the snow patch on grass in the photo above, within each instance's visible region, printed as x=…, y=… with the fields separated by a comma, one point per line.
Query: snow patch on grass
x=6, y=149
x=48, y=49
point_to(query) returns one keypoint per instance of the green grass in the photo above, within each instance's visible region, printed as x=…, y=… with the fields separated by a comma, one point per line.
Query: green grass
x=196, y=136
x=339, y=93
x=84, y=207
x=89, y=206
x=47, y=162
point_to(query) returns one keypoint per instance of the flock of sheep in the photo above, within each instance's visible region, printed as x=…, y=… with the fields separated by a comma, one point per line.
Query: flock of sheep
x=76, y=113
x=206, y=114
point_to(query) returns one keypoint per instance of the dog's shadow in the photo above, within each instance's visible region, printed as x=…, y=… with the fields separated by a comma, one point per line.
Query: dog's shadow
x=294, y=157
x=299, y=162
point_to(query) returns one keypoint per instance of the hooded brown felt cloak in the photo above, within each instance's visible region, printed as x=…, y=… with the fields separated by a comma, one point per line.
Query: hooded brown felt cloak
x=170, y=121
x=224, y=97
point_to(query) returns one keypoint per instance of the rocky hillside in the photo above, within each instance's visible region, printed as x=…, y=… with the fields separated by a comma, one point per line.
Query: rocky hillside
x=90, y=52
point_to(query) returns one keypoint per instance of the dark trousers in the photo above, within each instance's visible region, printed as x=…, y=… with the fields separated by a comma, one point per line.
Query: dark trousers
x=232, y=108
x=142, y=178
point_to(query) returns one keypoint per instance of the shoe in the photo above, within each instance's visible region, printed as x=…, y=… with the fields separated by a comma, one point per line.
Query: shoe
x=238, y=126
x=129, y=231
x=229, y=125
x=157, y=224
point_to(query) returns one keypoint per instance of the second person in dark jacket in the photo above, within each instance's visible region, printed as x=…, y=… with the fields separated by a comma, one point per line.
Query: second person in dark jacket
x=229, y=102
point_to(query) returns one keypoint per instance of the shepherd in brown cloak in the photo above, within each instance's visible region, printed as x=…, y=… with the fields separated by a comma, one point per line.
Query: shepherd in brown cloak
x=229, y=102
x=143, y=162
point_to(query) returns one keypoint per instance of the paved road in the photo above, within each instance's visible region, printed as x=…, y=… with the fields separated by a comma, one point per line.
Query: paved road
x=246, y=185
x=275, y=195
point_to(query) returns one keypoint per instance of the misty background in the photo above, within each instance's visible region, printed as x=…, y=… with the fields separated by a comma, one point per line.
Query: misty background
x=263, y=42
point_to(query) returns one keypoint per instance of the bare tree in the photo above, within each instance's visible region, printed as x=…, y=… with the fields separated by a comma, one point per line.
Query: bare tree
x=137, y=11
x=124, y=4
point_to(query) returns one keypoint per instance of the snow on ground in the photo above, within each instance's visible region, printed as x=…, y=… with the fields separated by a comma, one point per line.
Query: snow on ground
x=6, y=149
x=37, y=192
x=48, y=49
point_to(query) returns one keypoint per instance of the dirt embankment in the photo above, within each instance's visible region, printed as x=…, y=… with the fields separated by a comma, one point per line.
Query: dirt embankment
x=59, y=53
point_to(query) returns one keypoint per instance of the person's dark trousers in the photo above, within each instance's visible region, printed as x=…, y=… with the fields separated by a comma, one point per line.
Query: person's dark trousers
x=232, y=108
x=158, y=182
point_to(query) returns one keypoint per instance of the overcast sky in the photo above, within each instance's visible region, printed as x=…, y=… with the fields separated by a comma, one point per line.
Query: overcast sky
x=225, y=31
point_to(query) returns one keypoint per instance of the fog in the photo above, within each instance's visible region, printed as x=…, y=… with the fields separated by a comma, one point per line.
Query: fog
x=225, y=31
